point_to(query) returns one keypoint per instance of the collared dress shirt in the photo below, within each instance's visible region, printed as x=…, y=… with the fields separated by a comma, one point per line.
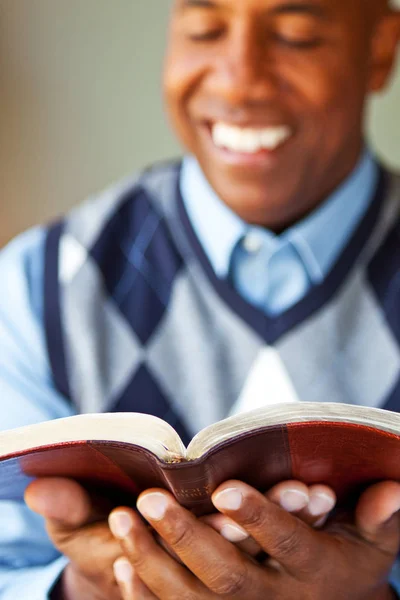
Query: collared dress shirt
x=273, y=272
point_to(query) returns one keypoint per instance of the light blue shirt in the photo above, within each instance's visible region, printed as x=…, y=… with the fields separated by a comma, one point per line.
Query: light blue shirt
x=29, y=565
x=273, y=272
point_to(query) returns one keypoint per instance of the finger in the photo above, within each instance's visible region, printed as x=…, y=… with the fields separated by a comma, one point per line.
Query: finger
x=376, y=515
x=311, y=504
x=73, y=523
x=293, y=496
x=61, y=500
x=156, y=569
x=322, y=500
x=232, y=532
x=65, y=502
x=167, y=548
x=130, y=584
x=217, y=563
x=281, y=535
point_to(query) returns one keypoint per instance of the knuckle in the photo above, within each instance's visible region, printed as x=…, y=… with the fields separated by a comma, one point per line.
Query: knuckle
x=188, y=595
x=288, y=544
x=181, y=535
x=138, y=560
x=255, y=517
x=230, y=583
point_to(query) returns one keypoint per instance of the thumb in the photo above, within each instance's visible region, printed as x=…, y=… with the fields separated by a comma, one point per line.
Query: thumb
x=377, y=518
x=62, y=501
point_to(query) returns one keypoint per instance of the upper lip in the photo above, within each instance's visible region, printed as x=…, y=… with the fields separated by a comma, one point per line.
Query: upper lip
x=247, y=123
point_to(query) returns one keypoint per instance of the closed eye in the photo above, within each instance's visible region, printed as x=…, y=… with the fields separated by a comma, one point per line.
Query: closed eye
x=206, y=36
x=300, y=44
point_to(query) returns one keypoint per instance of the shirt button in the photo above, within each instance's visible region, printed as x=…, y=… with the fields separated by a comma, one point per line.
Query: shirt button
x=252, y=243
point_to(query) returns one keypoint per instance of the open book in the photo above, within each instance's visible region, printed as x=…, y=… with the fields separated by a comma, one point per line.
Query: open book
x=346, y=447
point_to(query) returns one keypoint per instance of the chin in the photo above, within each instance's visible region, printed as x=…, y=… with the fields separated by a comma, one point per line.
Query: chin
x=258, y=205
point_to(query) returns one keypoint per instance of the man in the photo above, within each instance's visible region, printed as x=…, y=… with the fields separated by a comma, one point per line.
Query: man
x=268, y=260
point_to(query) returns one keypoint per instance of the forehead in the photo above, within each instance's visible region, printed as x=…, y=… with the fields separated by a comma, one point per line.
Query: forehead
x=299, y=5
x=356, y=14
x=266, y=5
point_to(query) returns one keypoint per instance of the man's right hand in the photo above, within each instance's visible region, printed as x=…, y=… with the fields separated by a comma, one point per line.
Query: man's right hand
x=77, y=524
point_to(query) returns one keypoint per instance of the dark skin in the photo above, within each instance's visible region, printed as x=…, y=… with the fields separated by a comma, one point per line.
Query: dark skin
x=78, y=525
x=348, y=560
x=308, y=65
x=267, y=63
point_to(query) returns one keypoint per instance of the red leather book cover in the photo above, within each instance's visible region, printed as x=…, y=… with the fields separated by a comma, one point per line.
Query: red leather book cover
x=342, y=455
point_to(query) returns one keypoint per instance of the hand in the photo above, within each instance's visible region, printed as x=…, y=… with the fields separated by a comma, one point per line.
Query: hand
x=77, y=524
x=350, y=561
x=310, y=504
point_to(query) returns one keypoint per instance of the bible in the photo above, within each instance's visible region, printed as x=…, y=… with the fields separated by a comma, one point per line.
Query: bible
x=346, y=447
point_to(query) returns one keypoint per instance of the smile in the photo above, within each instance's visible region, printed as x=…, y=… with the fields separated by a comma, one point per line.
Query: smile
x=249, y=140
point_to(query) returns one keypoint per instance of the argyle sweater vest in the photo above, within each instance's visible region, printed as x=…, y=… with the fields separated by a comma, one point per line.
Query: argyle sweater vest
x=136, y=319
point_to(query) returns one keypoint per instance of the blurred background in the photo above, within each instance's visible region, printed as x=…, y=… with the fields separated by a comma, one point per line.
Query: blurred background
x=81, y=104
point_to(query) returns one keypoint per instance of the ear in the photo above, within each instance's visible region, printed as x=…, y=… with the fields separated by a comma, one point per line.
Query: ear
x=385, y=42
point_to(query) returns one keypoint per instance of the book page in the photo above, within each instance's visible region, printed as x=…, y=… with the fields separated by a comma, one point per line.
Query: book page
x=282, y=414
x=142, y=430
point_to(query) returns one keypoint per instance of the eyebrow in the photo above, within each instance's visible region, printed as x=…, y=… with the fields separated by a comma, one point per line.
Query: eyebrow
x=199, y=3
x=308, y=8
x=305, y=8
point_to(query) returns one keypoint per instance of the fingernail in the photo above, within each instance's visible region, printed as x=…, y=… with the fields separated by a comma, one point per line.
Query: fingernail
x=44, y=505
x=392, y=507
x=120, y=524
x=320, y=504
x=153, y=506
x=321, y=522
x=293, y=500
x=233, y=533
x=123, y=570
x=273, y=564
x=229, y=499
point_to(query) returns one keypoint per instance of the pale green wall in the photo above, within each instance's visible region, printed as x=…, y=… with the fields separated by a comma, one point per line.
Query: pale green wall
x=385, y=120
x=80, y=102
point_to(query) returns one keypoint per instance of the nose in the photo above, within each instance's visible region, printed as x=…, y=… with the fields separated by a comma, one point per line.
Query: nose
x=244, y=71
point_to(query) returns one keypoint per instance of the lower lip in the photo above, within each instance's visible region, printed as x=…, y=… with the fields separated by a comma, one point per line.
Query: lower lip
x=263, y=158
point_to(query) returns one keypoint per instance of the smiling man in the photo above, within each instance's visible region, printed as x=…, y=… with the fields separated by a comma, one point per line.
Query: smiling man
x=265, y=94
x=264, y=267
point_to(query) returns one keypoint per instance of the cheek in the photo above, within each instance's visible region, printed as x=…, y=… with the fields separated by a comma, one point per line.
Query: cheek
x=328, y=90
x=183, y=74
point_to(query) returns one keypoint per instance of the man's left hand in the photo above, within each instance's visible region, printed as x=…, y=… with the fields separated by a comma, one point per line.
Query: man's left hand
x=346, y=560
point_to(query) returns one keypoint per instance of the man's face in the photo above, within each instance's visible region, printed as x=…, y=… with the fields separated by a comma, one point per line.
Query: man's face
x=270, y=94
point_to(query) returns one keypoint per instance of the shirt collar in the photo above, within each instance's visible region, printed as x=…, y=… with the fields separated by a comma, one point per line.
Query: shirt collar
x=319, y=238
x=217, y=227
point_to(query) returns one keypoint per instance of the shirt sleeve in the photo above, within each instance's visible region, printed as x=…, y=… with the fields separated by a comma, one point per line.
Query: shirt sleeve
x=395, y=578
x=29, y=563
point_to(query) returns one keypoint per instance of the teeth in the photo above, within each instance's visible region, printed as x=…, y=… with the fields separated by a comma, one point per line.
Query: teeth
x=249, y=140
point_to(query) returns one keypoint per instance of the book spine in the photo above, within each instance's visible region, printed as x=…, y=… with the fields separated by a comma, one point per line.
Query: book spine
x=191, y=484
